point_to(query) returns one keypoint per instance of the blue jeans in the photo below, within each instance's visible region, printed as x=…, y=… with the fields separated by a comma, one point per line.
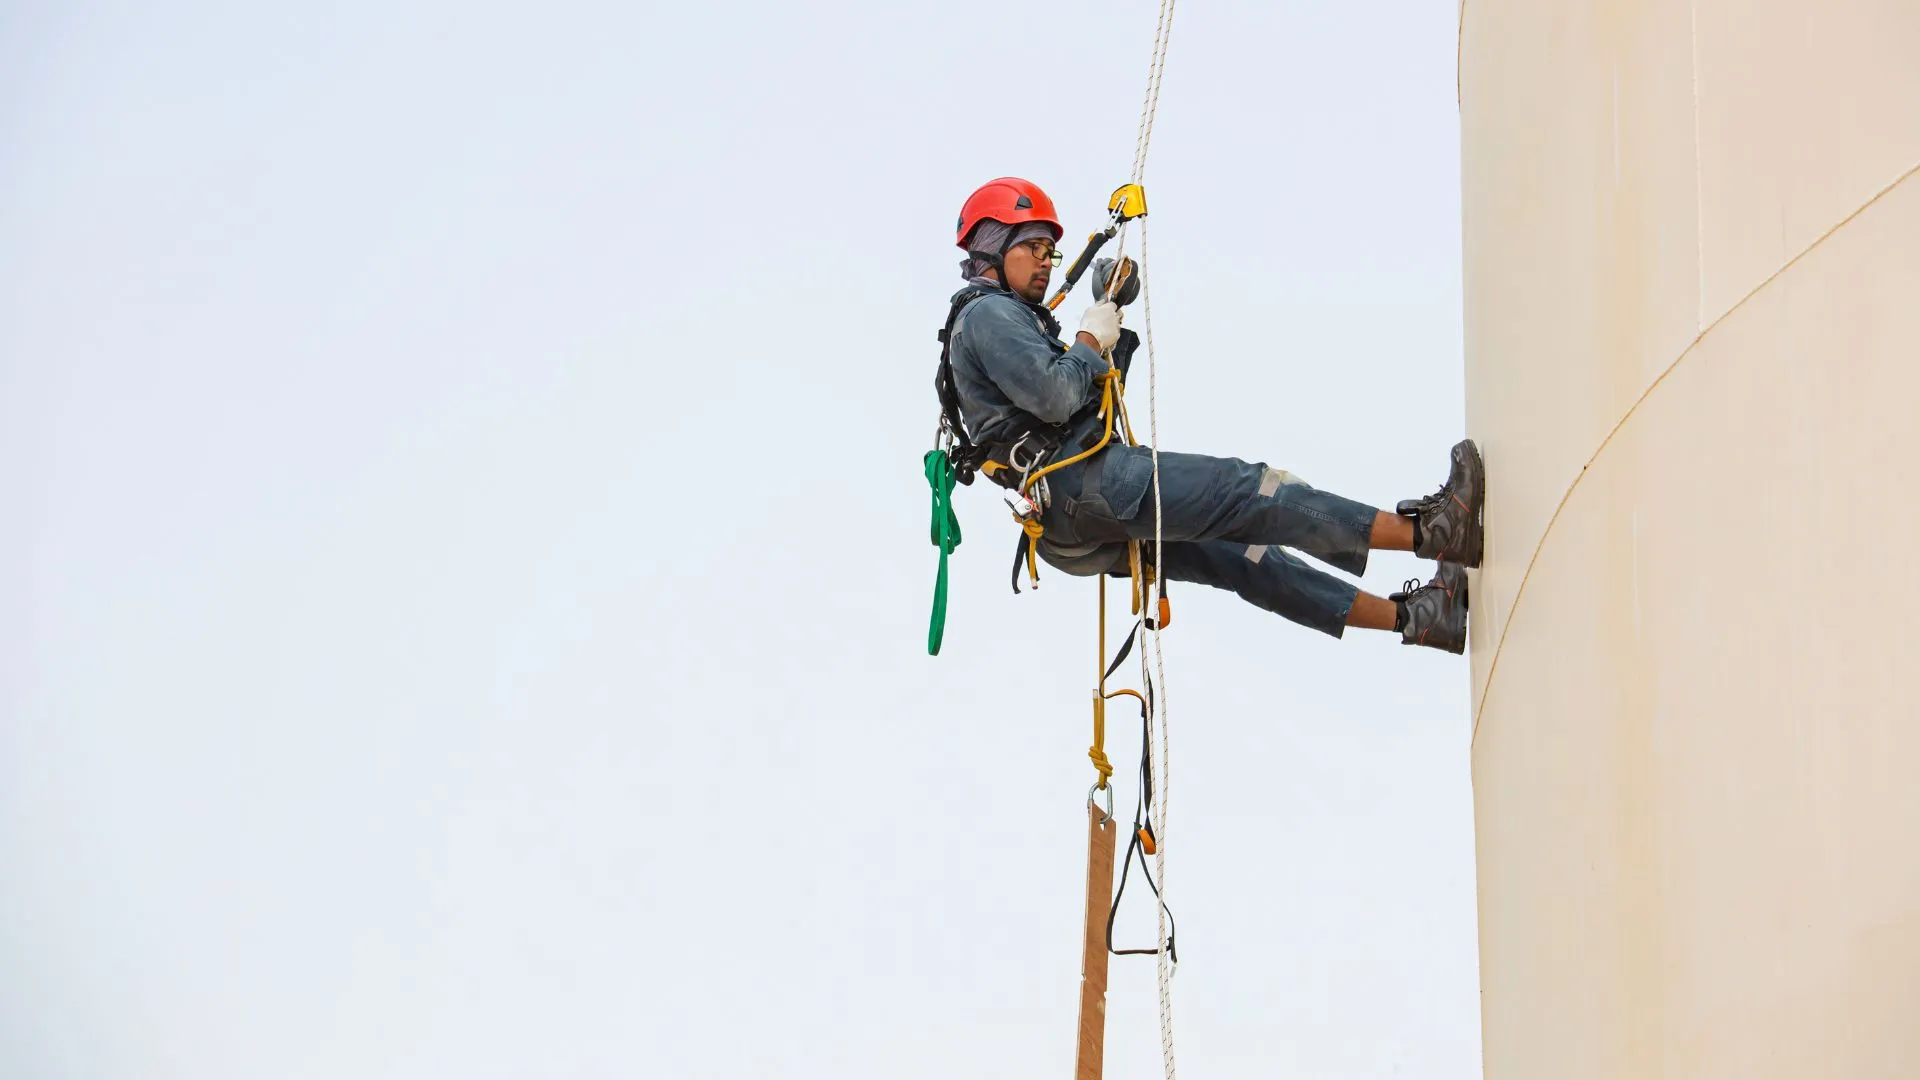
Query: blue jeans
x=1224, y=522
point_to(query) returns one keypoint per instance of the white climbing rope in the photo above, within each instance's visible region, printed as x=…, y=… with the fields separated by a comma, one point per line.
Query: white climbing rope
x=1158, y=677
x=1160, y=760
x=1161, y=32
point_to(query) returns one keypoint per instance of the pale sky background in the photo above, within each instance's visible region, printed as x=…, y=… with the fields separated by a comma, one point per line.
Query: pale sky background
x=464, y=589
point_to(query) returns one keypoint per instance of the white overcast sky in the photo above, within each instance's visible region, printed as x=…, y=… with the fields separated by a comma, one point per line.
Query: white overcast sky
x=464, y=579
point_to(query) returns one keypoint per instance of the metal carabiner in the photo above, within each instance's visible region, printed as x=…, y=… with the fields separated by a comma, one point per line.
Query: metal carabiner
x=1097, y=786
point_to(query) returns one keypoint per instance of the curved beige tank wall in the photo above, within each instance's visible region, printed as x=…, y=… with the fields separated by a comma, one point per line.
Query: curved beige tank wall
x=1692, y=258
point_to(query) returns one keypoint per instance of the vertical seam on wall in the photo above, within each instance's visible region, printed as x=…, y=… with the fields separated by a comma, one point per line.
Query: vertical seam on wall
x=1459, y=50
x=1520, y=590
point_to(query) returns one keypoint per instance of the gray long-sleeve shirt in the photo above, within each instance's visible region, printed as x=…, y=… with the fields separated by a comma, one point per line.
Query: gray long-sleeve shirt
x=1005, y=363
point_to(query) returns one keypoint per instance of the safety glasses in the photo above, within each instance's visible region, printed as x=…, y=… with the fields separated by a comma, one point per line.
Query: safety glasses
x=1043, y=250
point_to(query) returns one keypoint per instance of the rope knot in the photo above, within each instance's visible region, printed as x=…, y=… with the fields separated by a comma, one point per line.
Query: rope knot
x=1100, y=764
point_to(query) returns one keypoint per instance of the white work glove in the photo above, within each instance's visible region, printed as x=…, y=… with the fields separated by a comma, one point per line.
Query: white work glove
x=1102, y=321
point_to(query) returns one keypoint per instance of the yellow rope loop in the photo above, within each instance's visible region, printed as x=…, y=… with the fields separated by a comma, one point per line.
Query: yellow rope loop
x=1110, y=390
x=1134, y=563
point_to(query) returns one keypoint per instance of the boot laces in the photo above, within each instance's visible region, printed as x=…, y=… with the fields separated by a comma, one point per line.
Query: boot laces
x=1430, y=505
x=1414, y=588
x=1411, y=588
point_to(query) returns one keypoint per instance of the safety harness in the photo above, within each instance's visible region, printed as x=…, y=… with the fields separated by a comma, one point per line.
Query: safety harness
x=1020, y=458
x=1128, y=203
x=1031, y=436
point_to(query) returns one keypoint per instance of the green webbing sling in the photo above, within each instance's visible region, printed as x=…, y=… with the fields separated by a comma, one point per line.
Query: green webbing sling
x=946, y=537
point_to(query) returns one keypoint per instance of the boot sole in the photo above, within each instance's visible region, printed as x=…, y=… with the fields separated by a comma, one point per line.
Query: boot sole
x=1476, y=524
x=1465, y=590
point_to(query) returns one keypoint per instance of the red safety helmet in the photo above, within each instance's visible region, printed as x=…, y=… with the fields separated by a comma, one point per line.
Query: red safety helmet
x=1010, y=201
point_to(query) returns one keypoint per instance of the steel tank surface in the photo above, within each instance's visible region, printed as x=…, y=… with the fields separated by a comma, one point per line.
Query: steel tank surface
x=1692, y=281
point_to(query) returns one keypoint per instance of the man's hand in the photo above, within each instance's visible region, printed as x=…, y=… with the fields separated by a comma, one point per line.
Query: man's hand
x=1102, y=324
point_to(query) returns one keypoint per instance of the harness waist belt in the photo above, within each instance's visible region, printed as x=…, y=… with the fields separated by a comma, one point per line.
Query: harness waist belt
x=1043, y=444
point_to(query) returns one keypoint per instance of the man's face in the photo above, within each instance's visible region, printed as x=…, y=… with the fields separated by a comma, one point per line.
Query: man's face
x=1030, y=267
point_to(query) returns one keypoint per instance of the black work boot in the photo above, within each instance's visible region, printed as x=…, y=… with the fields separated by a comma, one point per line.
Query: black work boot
x=1435, y=614
x=1446, y=524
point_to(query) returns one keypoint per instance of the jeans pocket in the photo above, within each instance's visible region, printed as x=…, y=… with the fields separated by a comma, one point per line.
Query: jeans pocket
x=1115, y=485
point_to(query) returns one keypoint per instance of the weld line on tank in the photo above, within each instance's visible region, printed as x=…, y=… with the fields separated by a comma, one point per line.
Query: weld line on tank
x=1520, y=591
